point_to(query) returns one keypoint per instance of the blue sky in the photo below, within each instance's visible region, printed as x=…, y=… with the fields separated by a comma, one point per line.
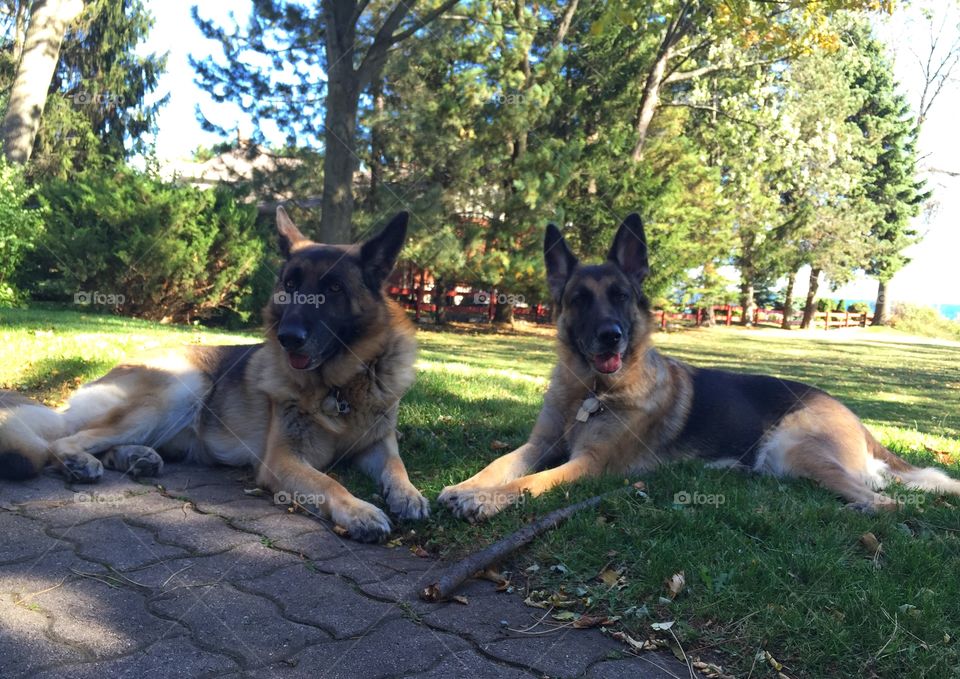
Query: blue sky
x=931, y=278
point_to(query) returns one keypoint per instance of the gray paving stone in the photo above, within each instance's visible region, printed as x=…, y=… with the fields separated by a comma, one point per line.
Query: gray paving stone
x=118, y=544
x=472, y=664
x=169, y=658
x=82, y=612
x=193, y=531
x=324, y=600
x=653, y=666
x=278, y=524
x=24, y=538
x=90, y=503
x=245, y=562
x=565, y=653
x=246, y=627
x=181, y=477
x=396, y=648
x=45, y=488
x=24, y=624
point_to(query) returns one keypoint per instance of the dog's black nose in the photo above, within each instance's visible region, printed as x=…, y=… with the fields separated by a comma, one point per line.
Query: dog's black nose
x=292, y=338
x=610, y=334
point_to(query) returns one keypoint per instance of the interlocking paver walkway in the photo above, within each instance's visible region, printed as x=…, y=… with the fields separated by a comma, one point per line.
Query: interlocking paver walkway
x=199, y=579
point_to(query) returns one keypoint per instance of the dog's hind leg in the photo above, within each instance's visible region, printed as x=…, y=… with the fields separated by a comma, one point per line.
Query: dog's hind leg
x=819, y=457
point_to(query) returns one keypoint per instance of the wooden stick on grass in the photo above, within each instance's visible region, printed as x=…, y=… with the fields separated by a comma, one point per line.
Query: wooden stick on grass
x=480, y=561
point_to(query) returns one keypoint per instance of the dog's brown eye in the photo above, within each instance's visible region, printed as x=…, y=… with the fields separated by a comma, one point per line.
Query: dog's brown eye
x=620, y=296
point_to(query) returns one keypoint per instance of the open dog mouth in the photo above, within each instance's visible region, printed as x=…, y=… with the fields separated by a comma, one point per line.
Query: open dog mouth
x=298, y=361
x=607, y=363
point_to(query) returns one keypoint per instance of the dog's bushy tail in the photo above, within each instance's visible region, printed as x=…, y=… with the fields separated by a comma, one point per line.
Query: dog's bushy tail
x=26, y=429
x=922, y=478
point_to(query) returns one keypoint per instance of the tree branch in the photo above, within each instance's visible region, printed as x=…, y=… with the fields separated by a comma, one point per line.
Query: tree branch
x=679, y=76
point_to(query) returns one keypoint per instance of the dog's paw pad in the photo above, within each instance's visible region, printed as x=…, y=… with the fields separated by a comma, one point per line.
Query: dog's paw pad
x=364, y=522
x=134, y=460
x=82, y=468
x=409, y=507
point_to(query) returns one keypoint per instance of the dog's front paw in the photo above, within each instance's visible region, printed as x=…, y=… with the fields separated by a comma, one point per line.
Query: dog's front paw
x=81, y=467
x=363, y=521
x=476, y=504
x=408, y=504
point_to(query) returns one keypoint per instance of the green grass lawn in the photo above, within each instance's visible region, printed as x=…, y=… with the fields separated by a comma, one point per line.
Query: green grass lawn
x=776, y=567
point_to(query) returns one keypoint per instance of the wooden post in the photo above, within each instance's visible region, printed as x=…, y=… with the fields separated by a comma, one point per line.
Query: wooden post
x=419, y=304
x=846, y=320
x=663, y=319
x=699, y=316
x=756, y=315
x=826, y=320
x=729, y=314
x=491, y=307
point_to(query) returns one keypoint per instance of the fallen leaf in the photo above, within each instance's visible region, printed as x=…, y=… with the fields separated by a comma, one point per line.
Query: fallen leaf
x=494, y=576
x=460, y=599
x=530, y=601
x=588, y=621
x=396, y=542
x=675, y=584
x=870, y=543
x=499, y=445
x=662, y=626
x=564, y=616
x=420, y=551
x=610, y=577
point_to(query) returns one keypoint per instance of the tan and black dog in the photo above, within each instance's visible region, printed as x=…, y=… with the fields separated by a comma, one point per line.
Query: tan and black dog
x=323, y=387
x=615, y=405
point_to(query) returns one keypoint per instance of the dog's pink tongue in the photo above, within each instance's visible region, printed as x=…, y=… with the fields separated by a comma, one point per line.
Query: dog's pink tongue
x=607, y=363
x=298, y=361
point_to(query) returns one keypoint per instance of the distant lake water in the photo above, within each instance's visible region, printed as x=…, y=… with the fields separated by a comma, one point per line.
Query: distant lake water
x=951, y=311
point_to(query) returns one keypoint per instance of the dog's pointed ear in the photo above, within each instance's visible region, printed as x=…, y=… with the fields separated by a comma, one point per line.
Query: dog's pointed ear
x=379, y=254
x=629, y=250
x=559, y=260
x=290, y=235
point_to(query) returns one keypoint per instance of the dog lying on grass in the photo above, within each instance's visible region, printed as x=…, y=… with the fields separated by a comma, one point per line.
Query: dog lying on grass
x=615, y=405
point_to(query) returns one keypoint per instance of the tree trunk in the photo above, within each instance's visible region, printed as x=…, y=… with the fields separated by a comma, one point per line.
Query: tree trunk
x=746, y=301
x=41, y=49
x=339, y=156
x=439, y=296
x=881, y=314
x=811, y=306
x=648, y=102
x=709, y=316
x=503, y=313
x=376, y=144
x=788, y=302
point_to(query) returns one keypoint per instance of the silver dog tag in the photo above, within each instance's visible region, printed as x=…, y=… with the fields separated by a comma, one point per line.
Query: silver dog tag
x=590, y=405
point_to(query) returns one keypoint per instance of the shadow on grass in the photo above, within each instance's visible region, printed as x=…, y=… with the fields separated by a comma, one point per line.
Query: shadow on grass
x=57, y=378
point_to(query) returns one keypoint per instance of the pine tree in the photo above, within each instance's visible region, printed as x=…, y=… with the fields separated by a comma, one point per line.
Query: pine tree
x=891, y=184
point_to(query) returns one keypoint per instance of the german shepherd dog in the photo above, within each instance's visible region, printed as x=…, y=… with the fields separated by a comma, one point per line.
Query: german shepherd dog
x=323, y=387
x=615, y=405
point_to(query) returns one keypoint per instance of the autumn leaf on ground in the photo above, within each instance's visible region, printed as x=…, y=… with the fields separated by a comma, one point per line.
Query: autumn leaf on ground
x=588, y=621
x=662, y=626
x=460, y=599
x=420, y=551
x=675, y=584
x=496, y=444
x=870, y=543
x=612, y=578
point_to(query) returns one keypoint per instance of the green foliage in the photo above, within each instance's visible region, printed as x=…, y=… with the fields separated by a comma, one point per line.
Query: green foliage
x=20, y=227
x=97, y=112
x=924, y=321
x=145, y=247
